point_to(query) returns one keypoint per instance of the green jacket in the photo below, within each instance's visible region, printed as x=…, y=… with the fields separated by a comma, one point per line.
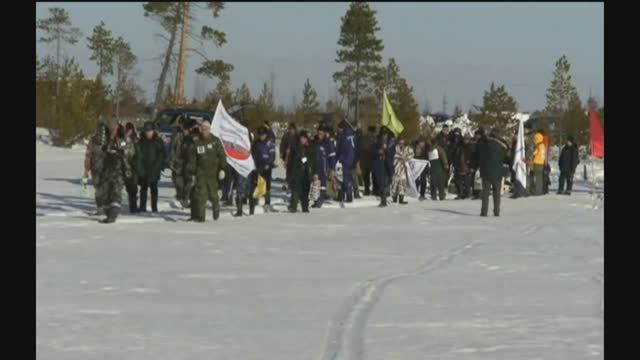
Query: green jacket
x=150, y=158
x=205, y=158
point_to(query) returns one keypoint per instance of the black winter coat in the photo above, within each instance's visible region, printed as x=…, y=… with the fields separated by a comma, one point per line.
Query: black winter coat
x=569, y=158
x=150, y=158
x=492, y=154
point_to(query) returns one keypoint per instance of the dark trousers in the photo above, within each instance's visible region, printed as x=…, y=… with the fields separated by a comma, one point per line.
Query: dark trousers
x=547, y=179
x=383, y=181
x=438, y=187
x=300, y=193
x=347, y=181
x=227, y=185
x=132, y=191
x=464, y=184
x=568, y=177
x=144, y=186
x=538, y=180
x=366, y=177
x=492, y=186
x=421, y=182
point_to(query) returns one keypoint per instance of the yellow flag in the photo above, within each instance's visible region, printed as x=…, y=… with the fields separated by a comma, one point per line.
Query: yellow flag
x=389, y=118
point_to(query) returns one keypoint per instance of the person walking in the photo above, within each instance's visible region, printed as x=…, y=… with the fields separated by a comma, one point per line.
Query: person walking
x=538, y=161
x=492, y=154
x=567, y=162
x=150, y=161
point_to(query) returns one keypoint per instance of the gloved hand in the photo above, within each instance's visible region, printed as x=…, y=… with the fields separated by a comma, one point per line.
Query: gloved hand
x=221, y=175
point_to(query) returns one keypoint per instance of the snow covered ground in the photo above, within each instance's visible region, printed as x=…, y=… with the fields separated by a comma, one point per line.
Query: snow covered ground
x=429, y=280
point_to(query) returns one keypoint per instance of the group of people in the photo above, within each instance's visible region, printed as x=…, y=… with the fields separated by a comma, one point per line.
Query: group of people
x=328, y=166
x=116, y=158
x=376, y=160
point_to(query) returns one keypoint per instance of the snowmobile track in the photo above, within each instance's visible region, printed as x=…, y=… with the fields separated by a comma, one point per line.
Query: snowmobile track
x=346, y=330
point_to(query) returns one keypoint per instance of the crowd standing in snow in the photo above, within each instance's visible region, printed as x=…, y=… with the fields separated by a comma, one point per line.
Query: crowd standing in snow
x=329, y=166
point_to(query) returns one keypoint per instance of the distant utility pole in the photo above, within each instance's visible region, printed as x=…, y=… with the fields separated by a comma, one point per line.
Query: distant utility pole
x=444, y=103
x=182, y=56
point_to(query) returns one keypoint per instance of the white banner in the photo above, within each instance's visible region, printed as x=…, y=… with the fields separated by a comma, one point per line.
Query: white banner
x=235, y=139
x=519, y=158
x=414, y=168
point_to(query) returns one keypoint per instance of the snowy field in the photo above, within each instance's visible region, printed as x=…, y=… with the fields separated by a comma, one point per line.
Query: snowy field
x=429, y=280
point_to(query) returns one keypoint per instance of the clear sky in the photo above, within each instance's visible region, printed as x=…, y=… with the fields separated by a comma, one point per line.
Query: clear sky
x=452, y=48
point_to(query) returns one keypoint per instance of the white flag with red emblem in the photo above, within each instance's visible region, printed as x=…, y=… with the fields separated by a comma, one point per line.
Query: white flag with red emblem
x=235, y=139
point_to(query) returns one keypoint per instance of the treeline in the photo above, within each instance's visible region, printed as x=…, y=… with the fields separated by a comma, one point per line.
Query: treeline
x=71, y=104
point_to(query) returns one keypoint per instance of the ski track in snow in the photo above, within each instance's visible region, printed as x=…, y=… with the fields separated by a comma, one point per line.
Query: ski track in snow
x=346, y=331
x=345, y=339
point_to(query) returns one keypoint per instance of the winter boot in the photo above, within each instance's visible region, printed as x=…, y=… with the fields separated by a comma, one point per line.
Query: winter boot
x=394, y=198
x=143, y=202
x=349, y=197
x=252, y=205
x=356, y=193
x=132, y=204
x=216, y=211
x=112, y=214
x=267, y=198
x=239, y=203
x=401, y=200
x=154, y=203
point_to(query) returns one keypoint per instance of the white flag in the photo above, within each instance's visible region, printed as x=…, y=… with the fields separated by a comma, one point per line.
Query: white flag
x=519, y=158
x=414, y=168
x=235, y=139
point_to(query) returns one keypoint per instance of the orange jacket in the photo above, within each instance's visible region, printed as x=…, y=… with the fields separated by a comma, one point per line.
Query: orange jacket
x=540, y=151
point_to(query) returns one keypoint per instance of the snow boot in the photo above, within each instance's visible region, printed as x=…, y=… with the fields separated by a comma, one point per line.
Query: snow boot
x=252, y=205
x=239, y=203
x=401, y=200
x=112, y=214
x=394, y=198
x=216, y=211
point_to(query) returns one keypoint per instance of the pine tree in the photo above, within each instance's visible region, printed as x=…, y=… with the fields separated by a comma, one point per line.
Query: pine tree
x=57, y=28
x=498, y=107
x=401, y=97
x=101, y=44
x=563, y=101
x=125, y=61
x=242, y=95
x=457, y=111
x=360, y=53
x=310, y=102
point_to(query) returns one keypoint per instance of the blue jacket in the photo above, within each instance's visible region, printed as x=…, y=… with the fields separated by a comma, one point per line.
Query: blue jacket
x=346, y=150
x=264, y=154
x=325, y=157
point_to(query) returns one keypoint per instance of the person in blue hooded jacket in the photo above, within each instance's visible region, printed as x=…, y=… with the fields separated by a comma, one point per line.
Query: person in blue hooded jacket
x=264, y=156
x=325, y=162
x=346, y=153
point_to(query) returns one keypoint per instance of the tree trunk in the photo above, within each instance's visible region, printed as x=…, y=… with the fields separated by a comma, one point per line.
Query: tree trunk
x=163, y=74
x=182, y=57
x=356, y=122
x=58, y=62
